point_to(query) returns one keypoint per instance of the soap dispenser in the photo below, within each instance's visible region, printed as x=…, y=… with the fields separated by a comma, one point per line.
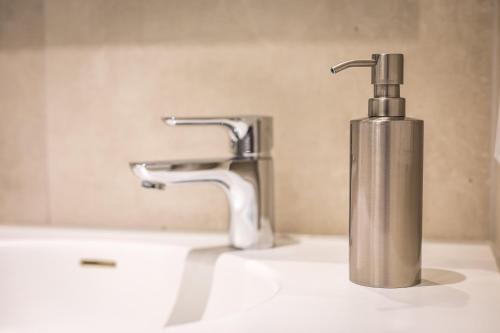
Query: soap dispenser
x=386, y=166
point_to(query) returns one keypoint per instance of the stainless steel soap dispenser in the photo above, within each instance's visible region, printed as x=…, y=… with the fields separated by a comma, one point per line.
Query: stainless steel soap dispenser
x=386, y=165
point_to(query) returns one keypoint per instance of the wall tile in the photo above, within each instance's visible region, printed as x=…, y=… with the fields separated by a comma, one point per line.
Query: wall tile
x=23, y=176
x=114, y=68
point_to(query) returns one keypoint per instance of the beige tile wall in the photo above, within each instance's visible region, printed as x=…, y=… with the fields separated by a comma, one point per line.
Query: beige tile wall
x=112, y=69
x=495, y=228
x=23, y=175
x=495, y=193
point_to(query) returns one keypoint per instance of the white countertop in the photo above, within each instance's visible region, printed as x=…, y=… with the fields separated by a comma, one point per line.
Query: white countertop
x=302, y=285
x=460, y=292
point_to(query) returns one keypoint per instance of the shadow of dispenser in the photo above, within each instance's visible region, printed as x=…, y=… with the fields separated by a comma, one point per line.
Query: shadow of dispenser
x=386, y=167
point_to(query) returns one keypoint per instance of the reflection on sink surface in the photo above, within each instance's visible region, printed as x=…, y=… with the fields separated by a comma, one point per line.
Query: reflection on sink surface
x=91, y=281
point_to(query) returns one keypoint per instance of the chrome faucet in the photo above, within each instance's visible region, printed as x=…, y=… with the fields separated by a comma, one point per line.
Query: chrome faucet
x=246, y=177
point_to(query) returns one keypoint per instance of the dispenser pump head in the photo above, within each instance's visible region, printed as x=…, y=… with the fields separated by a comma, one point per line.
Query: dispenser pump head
x=387, y=75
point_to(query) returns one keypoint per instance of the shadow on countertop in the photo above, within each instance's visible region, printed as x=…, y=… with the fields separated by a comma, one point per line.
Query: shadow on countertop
x=435, y=277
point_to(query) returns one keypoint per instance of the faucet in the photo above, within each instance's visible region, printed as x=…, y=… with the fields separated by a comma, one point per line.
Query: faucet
x=246, y=177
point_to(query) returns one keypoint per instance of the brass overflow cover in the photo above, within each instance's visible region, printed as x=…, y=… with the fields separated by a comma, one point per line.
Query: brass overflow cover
x=97, y=263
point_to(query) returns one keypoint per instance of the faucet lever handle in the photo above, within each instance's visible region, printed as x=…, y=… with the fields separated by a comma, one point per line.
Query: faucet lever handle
x=237, y=127
x=251, y=136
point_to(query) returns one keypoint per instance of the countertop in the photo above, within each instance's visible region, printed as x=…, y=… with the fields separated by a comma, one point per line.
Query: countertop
x=460, y=292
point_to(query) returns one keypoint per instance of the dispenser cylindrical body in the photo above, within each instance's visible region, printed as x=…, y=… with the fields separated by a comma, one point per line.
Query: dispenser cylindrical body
x=385, y=220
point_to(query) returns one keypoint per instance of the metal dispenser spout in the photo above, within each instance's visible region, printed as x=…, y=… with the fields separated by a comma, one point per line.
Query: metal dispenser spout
x=387, y=75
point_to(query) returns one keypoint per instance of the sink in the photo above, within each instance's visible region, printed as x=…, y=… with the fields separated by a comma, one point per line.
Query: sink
x=96, y=281
x=111, y=281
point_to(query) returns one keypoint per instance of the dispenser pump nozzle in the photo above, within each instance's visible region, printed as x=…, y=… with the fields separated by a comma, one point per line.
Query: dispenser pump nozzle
x=387, y=75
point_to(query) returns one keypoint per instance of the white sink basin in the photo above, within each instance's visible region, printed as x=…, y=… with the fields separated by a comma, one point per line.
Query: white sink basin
x=90, y=281
x=193, y=283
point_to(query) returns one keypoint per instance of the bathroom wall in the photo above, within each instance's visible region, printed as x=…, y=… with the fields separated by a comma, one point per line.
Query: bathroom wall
x=94, y=87
x=495, y=193
x=23, y=175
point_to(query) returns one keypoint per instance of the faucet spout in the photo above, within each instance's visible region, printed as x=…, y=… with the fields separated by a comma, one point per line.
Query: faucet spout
x=175, y=172
x=152, y=185
x=246, y=182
